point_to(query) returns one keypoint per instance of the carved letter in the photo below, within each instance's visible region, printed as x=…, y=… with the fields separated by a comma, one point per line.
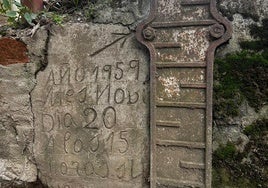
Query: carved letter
x=67, y=137
x=78, y=145
x=117, y=98
x=48, y=122
x=63, y=168
x=135, y=100
x=108, y=88
x=65, y=74
x=82, y=95
x=80, y=74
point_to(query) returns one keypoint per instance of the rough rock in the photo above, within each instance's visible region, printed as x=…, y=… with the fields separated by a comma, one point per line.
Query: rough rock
x=232, y=130
x=17, y=163
x=16, y=123
x=125, y=12
x=242, y=14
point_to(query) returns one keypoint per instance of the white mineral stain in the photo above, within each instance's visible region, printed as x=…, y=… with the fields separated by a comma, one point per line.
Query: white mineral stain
x=171, y=85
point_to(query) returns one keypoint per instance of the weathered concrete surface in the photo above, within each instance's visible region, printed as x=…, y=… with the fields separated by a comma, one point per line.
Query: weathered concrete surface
x=16, y=124
x=255, y=10
x=242, y=13
x=125, y=12
x=16, y=118
x=16, y=84
x=90, y=109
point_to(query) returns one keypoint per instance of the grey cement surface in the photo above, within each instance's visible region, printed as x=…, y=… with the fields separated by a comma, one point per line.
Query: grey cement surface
x=90, y=109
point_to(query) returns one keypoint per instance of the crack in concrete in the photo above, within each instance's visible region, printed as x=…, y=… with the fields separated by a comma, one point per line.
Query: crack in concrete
x=44, y=64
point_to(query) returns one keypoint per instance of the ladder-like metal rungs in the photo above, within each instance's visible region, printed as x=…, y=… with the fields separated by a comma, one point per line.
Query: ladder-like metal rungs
x=181, y=104
x=178, y=183
x=195, y=145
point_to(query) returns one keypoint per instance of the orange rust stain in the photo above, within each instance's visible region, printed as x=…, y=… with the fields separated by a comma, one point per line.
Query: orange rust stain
x=12, y=51
x=34, y=5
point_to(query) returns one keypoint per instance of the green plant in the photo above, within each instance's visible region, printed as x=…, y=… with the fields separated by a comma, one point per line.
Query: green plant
x=247, y=169
x=257, y=129
x=76, y=2
x=58, y=19
x=54, y=17
x=243, y=75
x=16, y=12
x=90, y=11
x=225, y=152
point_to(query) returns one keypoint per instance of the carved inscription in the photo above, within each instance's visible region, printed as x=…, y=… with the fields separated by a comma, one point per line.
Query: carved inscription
x=91, y=113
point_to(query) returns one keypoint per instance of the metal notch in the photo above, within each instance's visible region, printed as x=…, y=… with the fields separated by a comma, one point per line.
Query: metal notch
x=182, y=38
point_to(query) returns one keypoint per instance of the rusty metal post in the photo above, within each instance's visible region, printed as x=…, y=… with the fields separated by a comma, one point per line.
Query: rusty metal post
x=182, y=36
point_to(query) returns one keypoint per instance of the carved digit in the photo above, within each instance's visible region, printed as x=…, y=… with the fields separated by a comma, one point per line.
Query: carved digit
x=109, y=117
x=119, y=76
x=108, y=68
x=123, y=140
x=133, y=166
x=92, y=114
x=111, y=137
x=96, y=72
x=94, y=139
x=122, y=171
x=135, y=64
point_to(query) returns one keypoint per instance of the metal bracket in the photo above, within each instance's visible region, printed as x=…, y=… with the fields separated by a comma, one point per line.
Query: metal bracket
x=182, y=37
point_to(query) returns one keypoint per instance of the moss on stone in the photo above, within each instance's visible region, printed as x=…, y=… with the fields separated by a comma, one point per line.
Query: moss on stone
x=247, y=9
x=248, y=169
x=115, y=3
x=240, y=76
x=257, y=129
x=225, y=152
x=243, y=75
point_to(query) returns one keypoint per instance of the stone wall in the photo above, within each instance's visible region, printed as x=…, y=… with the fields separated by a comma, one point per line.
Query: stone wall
x=20, y=159
x=243, y=14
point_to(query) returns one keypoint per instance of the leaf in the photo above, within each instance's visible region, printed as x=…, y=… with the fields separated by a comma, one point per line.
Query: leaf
x=11, y=14
x=28, y=18
x=17, y=3
x=7, y=4
x=34, y=15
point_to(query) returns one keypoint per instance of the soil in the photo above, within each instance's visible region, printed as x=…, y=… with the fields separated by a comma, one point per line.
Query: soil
x=12, y=51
